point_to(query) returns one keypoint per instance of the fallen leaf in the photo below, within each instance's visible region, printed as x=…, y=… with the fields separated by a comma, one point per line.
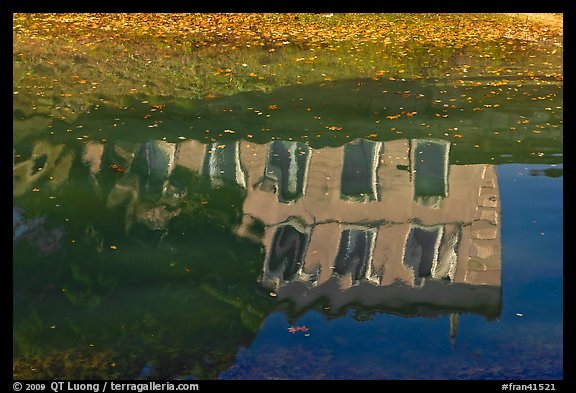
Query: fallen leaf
x=117, y=169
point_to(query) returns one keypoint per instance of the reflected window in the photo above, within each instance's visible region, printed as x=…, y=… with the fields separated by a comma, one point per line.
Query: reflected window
x=421, y=250
x=359, y=173
x=430, y=171
x=222, y=163
x=355, y=253
x=287, y=251
x=287, y=168
x=445, y=266
x=153, y=163
x=432, y=252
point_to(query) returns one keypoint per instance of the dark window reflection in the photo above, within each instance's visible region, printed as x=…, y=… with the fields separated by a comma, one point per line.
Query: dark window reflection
x=421, y=250
x=430, y=170
x=153, y=163
x=445, y=267
x=432, y=252
x=287, y=251
x=354, y=253
x=222, y=163
x=287, y=166
x=359, y=177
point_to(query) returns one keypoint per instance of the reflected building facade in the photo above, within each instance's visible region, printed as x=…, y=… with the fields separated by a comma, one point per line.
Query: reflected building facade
x=390, y=225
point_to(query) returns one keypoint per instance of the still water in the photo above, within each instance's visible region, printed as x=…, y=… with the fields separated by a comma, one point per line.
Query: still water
x=352, y=229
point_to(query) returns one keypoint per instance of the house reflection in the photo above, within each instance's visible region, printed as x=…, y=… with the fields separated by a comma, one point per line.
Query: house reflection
x=387, y=225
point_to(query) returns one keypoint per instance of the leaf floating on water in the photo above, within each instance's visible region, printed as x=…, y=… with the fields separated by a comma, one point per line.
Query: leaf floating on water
x=35, y=190
x=117, y=168
x=334, y=128
x=303, y=328
x=230, y=131
x=114, y=247
x=272, y=107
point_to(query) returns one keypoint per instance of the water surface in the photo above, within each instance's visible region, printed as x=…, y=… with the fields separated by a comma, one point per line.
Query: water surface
x=350, y=229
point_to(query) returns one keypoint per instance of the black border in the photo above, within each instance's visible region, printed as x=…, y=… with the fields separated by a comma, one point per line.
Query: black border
x=567, y=7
